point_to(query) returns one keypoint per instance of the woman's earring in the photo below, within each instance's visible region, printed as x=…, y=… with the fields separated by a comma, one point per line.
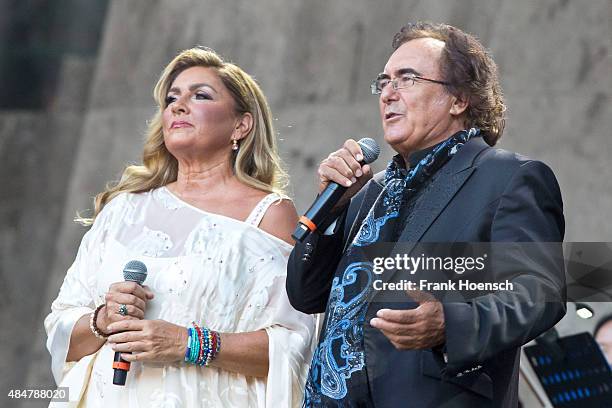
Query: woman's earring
x=234, y=144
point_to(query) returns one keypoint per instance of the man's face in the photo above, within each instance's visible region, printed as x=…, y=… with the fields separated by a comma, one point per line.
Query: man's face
x=418, y=116
x=604, y=338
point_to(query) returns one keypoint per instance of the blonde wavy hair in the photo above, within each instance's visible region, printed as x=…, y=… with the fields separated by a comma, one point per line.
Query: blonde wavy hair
x=470, y=71
x=257, y=162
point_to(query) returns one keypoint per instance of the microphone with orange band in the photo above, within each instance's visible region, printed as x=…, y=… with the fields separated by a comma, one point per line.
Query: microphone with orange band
x=320, y=209
x=133, y=271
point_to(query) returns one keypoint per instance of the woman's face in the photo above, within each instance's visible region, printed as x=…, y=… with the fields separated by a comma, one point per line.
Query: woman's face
x=200, y=119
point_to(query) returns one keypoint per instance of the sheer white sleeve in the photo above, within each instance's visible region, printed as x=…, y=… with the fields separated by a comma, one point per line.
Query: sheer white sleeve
x=291, y=345
x=77, y=294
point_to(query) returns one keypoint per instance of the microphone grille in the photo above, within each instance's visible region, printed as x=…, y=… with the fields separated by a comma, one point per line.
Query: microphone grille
x=135, y=271
x=370, y=149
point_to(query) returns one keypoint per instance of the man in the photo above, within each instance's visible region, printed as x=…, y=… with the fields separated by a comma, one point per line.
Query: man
x=442, y=109
x=603, y=336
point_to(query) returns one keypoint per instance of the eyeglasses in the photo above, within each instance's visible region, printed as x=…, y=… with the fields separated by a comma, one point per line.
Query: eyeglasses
x=402, y=82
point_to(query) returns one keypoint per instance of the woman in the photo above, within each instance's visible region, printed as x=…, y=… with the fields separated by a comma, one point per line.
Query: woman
x=206, y=215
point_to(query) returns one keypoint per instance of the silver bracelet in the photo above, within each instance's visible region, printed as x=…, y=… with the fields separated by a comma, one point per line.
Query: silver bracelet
x=92, y=323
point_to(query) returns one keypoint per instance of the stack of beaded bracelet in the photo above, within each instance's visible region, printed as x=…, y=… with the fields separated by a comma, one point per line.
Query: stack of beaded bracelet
x=203, y=345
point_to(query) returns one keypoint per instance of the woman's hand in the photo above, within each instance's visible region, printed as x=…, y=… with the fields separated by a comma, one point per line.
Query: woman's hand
x=130, y=294
x=151, y=340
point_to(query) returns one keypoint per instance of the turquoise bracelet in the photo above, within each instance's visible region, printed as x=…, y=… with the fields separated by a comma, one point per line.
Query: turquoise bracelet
x=203, y=345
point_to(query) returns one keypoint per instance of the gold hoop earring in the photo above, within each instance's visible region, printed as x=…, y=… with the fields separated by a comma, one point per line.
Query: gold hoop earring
x=235, y=145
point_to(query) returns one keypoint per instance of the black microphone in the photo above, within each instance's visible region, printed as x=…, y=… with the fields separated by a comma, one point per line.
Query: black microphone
x=320, y=209
x=133, y=271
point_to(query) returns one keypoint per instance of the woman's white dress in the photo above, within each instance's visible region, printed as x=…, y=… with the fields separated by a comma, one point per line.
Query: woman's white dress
x=222, y=273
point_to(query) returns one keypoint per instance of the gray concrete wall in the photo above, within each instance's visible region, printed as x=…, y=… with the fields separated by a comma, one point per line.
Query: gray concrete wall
x=36, y=151
x=315, y=60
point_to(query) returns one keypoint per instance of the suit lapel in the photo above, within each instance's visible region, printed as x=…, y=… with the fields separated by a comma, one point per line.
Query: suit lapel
x=447, y=182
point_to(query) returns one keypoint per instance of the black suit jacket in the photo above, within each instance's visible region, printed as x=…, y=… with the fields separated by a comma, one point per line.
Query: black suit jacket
x=482, y=195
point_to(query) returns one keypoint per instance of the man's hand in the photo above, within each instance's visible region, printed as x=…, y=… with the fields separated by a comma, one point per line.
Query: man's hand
x=411, y=329
x=342, y=167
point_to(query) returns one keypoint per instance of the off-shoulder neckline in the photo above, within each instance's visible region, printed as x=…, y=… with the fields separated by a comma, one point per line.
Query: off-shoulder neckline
x=225, y=217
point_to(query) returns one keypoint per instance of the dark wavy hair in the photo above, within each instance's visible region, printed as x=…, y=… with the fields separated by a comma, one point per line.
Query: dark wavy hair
x=470, y=71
